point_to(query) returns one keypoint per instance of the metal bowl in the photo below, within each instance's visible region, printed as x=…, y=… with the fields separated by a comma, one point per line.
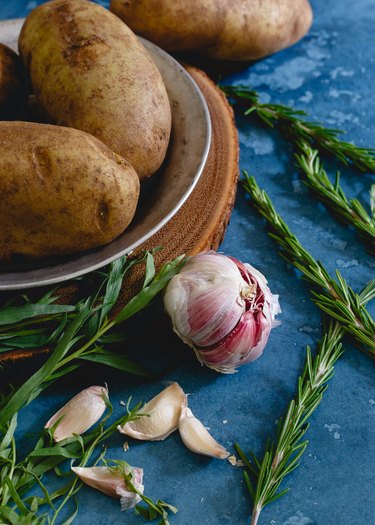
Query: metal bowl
x=161, y=197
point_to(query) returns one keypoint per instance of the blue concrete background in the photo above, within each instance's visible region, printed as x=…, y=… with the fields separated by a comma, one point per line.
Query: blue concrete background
x=331, y=75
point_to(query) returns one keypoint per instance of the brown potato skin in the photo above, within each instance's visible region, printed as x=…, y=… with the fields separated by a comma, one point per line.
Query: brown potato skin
x=62, y=191
x=237, y=30
x=13, y=84
x=89, y=71
x=174, y=25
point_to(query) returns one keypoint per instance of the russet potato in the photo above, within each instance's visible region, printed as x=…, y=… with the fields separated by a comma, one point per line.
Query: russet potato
x=13, y=84
x=219, y=29
x=62, y=191
x=90, y=72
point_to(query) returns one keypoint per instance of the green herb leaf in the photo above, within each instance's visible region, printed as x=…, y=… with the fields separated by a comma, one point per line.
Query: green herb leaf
x=334, y=297
x=149, y=292
x=298, y=129
x=349, y=211
x=118, y=361
x=113, y=287
x=150, y=269
x=15, y=314
x=372, y=200
x=9, y=433
x=282, y=456
x=23, y=395
x=50, y=452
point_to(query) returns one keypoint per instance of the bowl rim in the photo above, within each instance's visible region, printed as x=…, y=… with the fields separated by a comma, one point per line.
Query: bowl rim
x=32, y=278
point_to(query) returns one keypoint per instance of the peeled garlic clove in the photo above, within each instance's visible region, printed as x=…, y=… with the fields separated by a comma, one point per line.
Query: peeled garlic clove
x=111, y=482
x=197, y=438
x=80, y=413
x=160, y=416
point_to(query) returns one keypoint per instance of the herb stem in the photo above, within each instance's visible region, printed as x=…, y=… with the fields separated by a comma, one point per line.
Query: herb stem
x=282, y=456
x=350, y=211
x=333, y=296
x=12, y=461
x=90, y=320
x=25, y=393
x=293, y=125
x=34, y=321
x=81, y=351
x=255, y=516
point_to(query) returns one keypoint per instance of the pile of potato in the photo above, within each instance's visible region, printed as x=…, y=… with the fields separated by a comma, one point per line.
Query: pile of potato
x=73, y=185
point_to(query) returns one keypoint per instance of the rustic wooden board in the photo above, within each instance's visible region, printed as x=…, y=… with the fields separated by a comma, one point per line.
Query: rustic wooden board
x=201, y=222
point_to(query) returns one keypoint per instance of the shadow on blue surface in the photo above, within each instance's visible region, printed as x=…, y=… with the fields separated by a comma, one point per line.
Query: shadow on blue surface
x=330, y=74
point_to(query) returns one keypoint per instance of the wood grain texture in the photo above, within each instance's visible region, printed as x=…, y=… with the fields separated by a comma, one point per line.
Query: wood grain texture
x=201, y=222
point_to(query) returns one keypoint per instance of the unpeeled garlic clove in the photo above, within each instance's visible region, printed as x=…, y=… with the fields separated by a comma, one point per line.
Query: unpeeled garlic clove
x=111, y=482
x=80, y=413
x=160, y=416
x=197, y=438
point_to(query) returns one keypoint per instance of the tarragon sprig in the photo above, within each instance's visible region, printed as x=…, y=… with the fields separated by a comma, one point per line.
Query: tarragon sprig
x=18, y=476
x=83, y=333
x=294, y=125
x=27, y=324
x=152, y=510
x=333, y=296
x=350, y=211
x=282, y=456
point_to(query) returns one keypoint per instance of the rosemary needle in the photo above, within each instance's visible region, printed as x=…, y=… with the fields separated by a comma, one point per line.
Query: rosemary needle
x=294, y=125
x=333, y=296
x=282, y=456
x=349, y=211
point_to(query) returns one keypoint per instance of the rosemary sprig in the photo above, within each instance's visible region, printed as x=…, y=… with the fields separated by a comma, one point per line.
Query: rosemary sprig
x=350, y=211
x=83, y=332
x=293, y=124
x=282, y=456
x=333, y=296
x=305, y=135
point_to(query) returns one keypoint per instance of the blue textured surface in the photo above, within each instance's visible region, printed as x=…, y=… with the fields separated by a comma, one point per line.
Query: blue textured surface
x=330, y=74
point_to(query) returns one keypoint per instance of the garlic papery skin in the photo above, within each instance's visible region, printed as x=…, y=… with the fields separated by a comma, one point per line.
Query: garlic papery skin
x=160, y=416
x=110, y=481
x=197, y=438
x=80, y=413
x=222, y=308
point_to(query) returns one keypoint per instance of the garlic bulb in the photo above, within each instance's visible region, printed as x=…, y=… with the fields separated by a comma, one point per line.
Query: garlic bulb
x=160, y=416
x=110, y=480
x=223, y=309
x=197, y=438
x=80, y=413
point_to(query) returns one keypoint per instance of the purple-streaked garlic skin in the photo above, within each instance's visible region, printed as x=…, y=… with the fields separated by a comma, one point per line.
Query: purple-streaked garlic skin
x=223, y=309
x=205, y=288
x=80, y=413
x=110, y=481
